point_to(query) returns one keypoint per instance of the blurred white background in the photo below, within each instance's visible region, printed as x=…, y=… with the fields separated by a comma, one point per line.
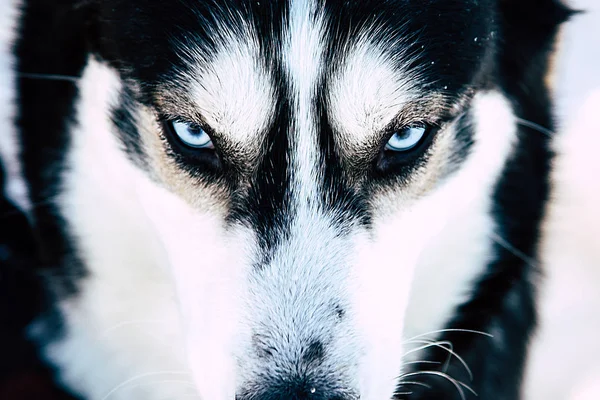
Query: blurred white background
x=564, y=363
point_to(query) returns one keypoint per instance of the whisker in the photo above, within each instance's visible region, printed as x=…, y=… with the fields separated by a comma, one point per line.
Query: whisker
x=418, y=348
x=512, y=249
x=416, y=384
x=421, y=362
x=452, y=330
x=49, y=77
x=122, y=324
x=186, y=383
x=135, y=378
x=523, y=122
x=537, y=127
x=451, y=353
x=457, y=384
x=526, y=123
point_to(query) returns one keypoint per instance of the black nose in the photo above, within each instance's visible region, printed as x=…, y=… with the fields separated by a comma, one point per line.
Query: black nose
x=297, y=390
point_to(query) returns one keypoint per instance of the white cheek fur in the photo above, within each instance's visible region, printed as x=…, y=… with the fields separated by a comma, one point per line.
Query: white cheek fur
x=123, y=329
x=207, y=266
x=423, y=260
x=461, y=210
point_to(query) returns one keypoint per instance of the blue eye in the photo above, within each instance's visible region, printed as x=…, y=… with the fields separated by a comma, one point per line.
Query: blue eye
x=406, y=138
x=192, y=135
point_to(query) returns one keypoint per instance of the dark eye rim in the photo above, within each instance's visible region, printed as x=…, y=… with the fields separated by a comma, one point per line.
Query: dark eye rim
x=393, y=162
x=194, y=156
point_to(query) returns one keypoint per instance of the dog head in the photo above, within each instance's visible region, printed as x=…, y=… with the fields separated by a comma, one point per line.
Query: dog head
x=309, y=167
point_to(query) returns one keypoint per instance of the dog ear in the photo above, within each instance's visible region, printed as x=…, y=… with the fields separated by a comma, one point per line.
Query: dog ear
x=529, y=30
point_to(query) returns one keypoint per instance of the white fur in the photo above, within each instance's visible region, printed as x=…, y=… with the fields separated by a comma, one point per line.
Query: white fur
x=233, y=91
x=16, y=190
x=370, y=90
x=207, y=266
x=125, y=322
x=303, y=51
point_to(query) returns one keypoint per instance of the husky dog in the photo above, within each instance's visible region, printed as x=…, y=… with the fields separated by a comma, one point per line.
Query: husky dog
x=282, y=199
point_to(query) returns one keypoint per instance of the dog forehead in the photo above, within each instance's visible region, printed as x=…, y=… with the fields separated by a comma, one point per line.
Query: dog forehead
x=142, y=36
x=227, y=59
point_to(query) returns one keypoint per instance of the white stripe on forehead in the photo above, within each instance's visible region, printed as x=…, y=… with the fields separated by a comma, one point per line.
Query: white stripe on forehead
x=368, y=89
x=303, y=53
x=293, y=298
x=230, y=85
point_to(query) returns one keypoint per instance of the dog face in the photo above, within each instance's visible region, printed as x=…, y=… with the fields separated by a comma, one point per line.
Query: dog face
x=305, y=165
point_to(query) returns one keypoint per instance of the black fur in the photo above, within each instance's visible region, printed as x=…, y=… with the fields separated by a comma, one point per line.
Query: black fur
x=124, y=122
x=23, y=376
x=51, y=40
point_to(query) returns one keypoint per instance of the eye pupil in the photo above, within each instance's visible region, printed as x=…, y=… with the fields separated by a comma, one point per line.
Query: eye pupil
x=194, y=129
x=404, y=133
